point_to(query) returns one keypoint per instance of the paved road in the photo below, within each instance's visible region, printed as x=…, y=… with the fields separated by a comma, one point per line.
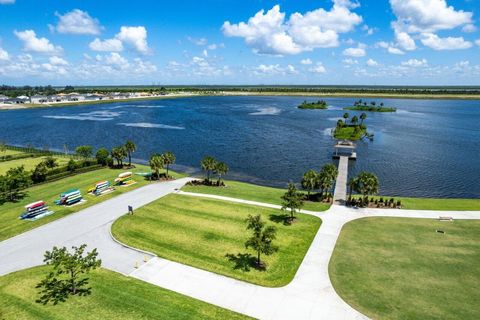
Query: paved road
x=90, y=226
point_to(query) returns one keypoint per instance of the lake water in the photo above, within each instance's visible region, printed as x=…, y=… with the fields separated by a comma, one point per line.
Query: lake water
x=428, y=148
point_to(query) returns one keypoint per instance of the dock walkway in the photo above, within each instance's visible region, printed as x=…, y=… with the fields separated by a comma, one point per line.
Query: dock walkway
x=340, y=194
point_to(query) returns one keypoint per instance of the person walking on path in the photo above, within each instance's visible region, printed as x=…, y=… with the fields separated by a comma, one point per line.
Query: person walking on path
x=130, y=210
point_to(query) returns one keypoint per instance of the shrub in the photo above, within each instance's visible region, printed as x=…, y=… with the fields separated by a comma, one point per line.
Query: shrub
x=71, y=165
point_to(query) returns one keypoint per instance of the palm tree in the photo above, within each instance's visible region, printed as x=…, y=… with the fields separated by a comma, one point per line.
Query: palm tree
x=310, y=181
x=119, y=153
x=156, y=164
x=346, y=116
x=221, y=169
x=354, y=120
x=340, y=123
x=208, y=165
x=366, y=184
x=168, y=159
x=363, y=116
x=130, y=147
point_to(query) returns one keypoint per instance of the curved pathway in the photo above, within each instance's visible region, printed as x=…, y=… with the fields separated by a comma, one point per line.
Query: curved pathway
x=310, y=295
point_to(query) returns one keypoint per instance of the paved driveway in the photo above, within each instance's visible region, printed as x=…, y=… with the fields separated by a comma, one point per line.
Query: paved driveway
x=90, y=226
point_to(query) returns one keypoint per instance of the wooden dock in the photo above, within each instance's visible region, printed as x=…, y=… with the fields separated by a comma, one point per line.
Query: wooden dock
x=340, y=193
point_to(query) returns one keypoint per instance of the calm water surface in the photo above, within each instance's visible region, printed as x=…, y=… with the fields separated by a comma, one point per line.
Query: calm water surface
x=428, y=148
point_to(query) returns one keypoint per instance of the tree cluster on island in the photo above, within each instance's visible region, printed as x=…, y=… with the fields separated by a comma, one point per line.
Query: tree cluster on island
x=352, y=129
x=314, y=105
x=371, y=107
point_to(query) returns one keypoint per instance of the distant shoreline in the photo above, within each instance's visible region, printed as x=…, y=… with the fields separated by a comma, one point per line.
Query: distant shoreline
x=269, y=93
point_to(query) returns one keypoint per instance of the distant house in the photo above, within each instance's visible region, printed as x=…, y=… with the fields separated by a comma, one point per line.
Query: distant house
x=3, y=98
x=75, y=97
x=38, y=99
x=93, y=97
x=17, y=101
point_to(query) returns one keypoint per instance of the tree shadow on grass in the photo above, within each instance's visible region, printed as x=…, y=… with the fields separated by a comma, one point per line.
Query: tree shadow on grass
x=244, y=262
x=282, y=218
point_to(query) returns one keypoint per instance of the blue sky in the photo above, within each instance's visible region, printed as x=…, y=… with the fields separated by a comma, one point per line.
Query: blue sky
x=412, y=42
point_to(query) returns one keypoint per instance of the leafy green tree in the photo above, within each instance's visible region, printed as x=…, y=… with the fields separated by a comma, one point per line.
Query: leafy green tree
x=330, y=170
x=310, y=181
x=346, y=116
x=363, y=116
x=208, y=165
x=50, y=162
x=221, y=169
x=119, y=153
x=14, y=181
x=67, y=275
x=102, y=156
x=168, y=159
x=3, y=148
x=130, y=148
x=71, y=165
x=157, y=163
x=85, y=152
x=366, y=184
x=292, y=200
x=40, y=172
x=262, y=237
x=352, y=185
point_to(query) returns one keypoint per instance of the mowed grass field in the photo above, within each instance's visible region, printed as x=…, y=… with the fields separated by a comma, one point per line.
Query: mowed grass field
x=401, y=268
x=10, y=225
x=437, y=204
x=28, y=163
x=201, y=232
x=114, y=297
x=247, y=191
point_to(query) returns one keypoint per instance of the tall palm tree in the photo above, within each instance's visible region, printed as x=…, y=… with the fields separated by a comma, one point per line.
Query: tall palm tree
x=208, y=164
x=168, y=159
x=310, y=181
x=340, y=123
x=363, y=116
x=221, y=169
x=156, y=164
x=354, y=120
x=367, y=184
x=130, y=147
x=346, y=116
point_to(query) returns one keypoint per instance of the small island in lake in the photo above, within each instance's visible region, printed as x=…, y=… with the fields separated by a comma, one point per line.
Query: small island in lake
x=352, y=129
x=313, y=105
x=372, y=107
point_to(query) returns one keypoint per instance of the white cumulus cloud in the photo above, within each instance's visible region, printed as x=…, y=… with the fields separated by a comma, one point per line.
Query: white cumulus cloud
x=4, y=56
x=77, y=22
x=134, y=36
x=112, y=45
x=355, y=52
x=32, y=43
x=318, y=68
x=306, y=61
x=57, y=61
x=449, y=43
x=415, y=63
x=372, y=63
x=270, y=33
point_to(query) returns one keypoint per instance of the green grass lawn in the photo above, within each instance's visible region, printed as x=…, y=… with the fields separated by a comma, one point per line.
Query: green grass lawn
x=29, y=163
x=10, y=225
x=252, y=192
x=201, y=232
x=400, y=268
x=114, y=297
x=9, y=152
x=437, y=204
